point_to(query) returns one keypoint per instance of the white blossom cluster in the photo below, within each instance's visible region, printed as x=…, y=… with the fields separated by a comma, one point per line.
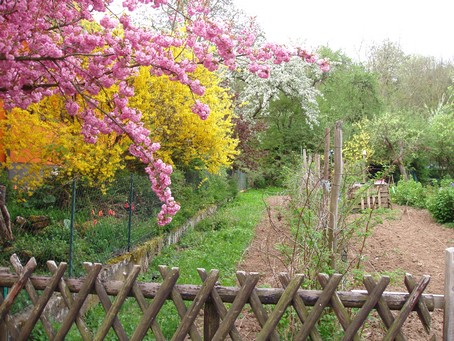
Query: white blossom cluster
x=294, y=79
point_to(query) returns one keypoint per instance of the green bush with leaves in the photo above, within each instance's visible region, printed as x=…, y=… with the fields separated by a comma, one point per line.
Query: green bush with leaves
x=409, y=193
x=441, y=205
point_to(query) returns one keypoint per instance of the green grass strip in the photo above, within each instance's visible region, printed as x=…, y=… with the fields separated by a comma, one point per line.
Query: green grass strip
x=218, y=242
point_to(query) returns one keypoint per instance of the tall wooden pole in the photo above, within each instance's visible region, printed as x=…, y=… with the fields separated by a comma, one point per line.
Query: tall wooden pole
x=325, y=184
x=326, y=155
x=448, y=323
x=335, y=191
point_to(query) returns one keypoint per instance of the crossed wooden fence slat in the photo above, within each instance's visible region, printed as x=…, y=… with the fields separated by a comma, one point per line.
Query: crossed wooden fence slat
x=208, y=300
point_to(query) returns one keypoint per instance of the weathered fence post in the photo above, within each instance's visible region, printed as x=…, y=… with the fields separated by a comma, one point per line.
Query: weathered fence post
x=448, y=322
x=211, y=320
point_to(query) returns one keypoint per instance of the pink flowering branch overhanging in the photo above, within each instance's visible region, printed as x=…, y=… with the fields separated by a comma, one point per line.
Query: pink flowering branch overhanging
x=47, y=47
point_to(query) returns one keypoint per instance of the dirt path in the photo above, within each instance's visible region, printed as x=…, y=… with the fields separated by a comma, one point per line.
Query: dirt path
x=410, y=243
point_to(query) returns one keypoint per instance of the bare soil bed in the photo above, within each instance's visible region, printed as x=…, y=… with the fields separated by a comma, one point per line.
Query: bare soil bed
x=411, y=242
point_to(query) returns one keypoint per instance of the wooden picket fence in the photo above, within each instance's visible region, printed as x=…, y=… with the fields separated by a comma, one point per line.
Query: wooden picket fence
x=220, y=306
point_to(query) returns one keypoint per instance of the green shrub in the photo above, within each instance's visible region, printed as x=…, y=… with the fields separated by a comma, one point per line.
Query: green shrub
x=409, y=193
x=441, y=205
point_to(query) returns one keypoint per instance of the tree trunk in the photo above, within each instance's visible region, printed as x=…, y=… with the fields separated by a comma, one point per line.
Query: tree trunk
x=5, y=220
x=402, y=170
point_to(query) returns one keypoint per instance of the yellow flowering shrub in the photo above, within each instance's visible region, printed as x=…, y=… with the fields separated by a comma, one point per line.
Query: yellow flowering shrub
x=185, y=138
x=44, y=139
x=357, y=144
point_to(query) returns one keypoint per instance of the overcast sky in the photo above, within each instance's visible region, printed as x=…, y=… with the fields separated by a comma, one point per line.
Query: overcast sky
x=420, y=27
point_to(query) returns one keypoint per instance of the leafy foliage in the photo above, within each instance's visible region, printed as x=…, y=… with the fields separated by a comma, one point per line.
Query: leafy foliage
x=410, y=193
x=440, y=139
x=441, y=205
x=397, y=138
x=349, y=93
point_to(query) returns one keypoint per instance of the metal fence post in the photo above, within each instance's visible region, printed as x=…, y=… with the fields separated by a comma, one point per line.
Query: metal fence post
x=448, y=319
x=131, y=196
x=71, y=228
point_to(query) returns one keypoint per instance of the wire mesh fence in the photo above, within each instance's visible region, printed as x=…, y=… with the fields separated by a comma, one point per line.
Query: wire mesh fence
x=75, y=222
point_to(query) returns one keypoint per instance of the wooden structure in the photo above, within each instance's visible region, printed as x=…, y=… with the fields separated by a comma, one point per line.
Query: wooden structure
x=375, y=196
x=209, y=300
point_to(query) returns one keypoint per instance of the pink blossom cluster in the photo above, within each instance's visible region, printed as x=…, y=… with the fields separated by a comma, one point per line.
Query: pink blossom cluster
x=159, y=174
x=53, y=47
x=201, y=109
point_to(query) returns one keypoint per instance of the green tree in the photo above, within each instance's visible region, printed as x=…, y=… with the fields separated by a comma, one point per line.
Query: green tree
x=440, y=138
x=396, y=139
x=288, y=133
x=409, y=82
x=349, y=93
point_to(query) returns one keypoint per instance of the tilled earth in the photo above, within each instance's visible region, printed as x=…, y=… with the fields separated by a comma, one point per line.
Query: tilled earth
x=411, y=242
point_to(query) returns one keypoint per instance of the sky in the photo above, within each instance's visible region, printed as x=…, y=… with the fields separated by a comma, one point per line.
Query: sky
x=353, y=26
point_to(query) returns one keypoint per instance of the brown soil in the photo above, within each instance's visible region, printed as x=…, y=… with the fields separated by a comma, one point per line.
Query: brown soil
x=411, y=242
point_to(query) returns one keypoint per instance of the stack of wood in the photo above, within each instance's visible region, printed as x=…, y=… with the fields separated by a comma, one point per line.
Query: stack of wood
x=375, y=196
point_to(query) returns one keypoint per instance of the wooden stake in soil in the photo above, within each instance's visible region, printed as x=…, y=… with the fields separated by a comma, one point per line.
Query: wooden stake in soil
x=448, y=323
x=325, y=182
x=335, y=191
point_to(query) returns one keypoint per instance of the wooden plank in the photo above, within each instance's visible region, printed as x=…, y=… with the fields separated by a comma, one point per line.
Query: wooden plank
x=16, y=287
x=48, y=329
x=448, y=322
x=179, y=304
x=220, y=308
x=407, y=308
x=237, y=306
x=153, y=309
x=350, y=299
x=382, y=307
x=395, y=300
x=106, y=303
x=322, y=302
x=68, y=299
x=299, y=306
x=280, y=307
x=257, y=307
x=115, y=307
x=338, y=307
x=361, y=316
x=38, y=309
x=421, y=308
x=87, y=286
x=196, y=305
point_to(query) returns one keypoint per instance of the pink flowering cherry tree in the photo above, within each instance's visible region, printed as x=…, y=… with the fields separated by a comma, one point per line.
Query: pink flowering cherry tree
x=79, y=48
